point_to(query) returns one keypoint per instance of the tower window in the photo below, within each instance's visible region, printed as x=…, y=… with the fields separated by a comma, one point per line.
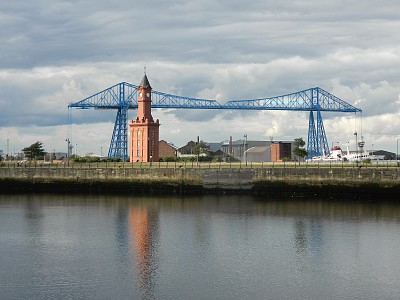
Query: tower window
x=138, y=133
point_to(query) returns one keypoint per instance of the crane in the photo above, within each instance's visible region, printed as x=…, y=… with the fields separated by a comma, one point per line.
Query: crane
x=123, y=96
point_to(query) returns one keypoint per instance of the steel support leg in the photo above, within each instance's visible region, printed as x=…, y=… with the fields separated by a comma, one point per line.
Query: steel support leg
x=312, y=142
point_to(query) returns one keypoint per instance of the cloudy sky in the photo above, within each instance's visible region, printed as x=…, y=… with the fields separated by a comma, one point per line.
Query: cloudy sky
x=54, y=52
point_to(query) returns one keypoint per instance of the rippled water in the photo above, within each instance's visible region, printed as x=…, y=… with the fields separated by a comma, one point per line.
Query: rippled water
x=95, y=247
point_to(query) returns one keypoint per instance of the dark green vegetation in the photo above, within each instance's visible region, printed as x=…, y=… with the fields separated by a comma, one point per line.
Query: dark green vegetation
x=93, y=159
x=299, y=150
x=34, y=151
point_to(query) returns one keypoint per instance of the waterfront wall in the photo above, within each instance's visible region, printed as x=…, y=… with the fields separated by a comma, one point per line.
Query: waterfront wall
x=267, y=181
x=206, y=175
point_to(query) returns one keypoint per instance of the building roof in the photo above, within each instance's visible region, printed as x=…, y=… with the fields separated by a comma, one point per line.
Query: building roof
x=257, y=149
x=145, y=82
x=169, y=144
x=213, y=147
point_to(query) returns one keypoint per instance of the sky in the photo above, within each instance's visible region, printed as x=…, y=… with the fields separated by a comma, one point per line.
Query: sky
x=55, y=52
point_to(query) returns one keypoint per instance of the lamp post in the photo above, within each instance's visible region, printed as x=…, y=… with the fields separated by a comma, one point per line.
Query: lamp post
x=8, y=149
x=68, y=150
x=244, y=148
x=355, y=133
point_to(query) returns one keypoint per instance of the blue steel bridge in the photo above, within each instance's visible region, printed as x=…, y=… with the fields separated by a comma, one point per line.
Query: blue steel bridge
x=123, y=96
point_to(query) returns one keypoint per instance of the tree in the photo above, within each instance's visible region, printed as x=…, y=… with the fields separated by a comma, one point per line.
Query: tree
x=200, y=148
x=34, y=151
x=299, y=148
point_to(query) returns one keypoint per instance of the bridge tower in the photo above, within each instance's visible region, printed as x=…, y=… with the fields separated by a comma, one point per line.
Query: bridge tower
x=144, y=132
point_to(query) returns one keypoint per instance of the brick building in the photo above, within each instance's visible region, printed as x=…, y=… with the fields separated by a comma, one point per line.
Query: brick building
x=166, y=149
x=281, y=150
x=143, y=131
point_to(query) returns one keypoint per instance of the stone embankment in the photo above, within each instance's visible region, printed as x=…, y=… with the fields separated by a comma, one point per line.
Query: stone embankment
x=275, y=181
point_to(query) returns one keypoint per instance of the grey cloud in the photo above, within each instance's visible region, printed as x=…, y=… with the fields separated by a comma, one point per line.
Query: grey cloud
x=55, y=33
x=205, y=49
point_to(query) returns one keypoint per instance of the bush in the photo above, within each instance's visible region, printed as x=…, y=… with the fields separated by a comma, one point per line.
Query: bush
x=366, y=161
x=217, y=159
x=168, y=159
x=92, y=159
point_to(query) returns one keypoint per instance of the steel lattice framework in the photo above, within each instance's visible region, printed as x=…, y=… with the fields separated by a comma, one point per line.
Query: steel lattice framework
x=123, y=96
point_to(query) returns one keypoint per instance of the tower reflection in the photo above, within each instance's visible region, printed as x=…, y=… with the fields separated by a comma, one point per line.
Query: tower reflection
x=144, y=231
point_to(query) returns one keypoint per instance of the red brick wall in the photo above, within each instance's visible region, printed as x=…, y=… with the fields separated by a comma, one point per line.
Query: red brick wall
x=165, y=149
x=275, y=152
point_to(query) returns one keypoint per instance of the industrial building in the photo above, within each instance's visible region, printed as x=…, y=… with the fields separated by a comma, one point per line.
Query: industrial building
x=259, y=151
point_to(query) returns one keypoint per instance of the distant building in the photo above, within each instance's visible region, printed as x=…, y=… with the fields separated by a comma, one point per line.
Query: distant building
x=382, y=154
x=280, y=151
x=166, y=149
x=58, y=155
x=259, y=151
x=187, y=149
x=237, y=148
x=258, y=154
x=214, y=147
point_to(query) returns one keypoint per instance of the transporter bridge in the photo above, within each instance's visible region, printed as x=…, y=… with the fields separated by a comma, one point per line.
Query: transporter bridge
x=123, y=96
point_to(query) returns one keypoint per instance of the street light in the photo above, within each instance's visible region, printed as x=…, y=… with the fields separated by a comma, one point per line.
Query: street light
x=355, y=133
x=68, y=149
x=244, y=148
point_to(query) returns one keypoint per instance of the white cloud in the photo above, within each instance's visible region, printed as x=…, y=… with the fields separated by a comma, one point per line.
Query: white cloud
x=61, y=52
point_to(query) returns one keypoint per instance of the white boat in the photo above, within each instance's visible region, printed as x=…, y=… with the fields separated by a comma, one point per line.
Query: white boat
x=338, y=155
x=335, y=155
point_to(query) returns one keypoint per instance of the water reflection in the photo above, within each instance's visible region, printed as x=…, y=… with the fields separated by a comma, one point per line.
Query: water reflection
x=144, y=231
x=121, y=234
x=199, y=247
x=316, y=235
x=300, y=236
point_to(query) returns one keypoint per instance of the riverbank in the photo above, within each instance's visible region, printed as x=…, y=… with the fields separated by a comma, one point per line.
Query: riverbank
x=269, y=182
x=262, y=188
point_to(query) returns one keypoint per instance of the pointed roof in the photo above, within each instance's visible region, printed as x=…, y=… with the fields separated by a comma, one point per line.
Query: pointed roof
x=145, y=82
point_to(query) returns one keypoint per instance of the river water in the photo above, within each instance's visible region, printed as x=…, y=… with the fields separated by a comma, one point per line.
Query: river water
x=230, y=247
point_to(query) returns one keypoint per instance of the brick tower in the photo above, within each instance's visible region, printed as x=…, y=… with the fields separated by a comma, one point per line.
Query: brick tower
x=143, y=131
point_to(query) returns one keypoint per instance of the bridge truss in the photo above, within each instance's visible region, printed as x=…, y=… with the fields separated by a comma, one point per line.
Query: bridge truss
x=123, y=96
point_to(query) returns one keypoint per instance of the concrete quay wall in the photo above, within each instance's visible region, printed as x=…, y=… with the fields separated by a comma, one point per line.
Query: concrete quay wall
x=267, y=181
x=206, y=175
